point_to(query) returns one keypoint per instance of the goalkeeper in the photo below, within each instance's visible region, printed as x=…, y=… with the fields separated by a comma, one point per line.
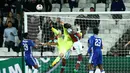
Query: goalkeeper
x=64, y=43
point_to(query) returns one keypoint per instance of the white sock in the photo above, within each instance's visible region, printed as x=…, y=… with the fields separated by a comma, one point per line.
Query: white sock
x=97, y=71
x=37, y=63
x=29, y=70
x=91, y=71
x=35, y=71
x=103, y=71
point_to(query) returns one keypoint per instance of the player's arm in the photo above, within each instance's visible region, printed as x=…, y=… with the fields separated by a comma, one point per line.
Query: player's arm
x=33, y=44
x=102, y=45
x=89, y=47
x=49, y=44
x=127, y=44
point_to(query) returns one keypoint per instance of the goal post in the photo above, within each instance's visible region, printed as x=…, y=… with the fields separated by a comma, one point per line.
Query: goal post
x=114, y=29
x=69, y=13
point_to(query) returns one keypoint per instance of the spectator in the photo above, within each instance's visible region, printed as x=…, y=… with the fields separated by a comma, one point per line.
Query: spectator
x=58, y=24
x=59, y=2
x=6, y=8
x=18, y=3
x=47, y=30
x=72, y=4
x=11, y=18
x=117, y=5
x=9, y=34
x=33, y=27
x=81, y=21
x=48, y=5
x=93, y=20
x=18, y=18
x=101, y=1
x=1, y=31
x=48, y=34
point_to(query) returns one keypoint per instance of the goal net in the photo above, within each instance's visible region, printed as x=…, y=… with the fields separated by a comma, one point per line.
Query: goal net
x=114, y=29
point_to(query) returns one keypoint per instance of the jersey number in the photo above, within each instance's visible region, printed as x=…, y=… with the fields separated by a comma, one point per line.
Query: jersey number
x=98, y=42
x=25, y=47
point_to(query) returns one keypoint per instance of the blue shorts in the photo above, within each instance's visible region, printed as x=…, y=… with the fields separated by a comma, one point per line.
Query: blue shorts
x=96, y=58
x=30, y=60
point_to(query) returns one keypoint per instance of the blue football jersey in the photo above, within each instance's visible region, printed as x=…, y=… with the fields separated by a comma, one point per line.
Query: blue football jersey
x=94, y=44
x=28, y=45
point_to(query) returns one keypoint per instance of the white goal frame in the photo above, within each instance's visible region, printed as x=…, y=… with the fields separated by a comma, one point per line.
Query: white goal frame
x=68, y=13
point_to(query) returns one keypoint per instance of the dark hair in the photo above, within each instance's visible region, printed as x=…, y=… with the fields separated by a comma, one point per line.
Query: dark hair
x=67, y=25
x=25, y=35
x=92, y=8
x=10, y=22
x=95, y=30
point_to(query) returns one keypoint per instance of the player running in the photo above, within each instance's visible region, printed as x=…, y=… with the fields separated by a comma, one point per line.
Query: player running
x=29, y=58
x=64, y=44
x=95, y=53
x=76, y=36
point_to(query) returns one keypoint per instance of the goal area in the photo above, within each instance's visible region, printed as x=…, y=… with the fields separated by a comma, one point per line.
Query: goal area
x=114, y=29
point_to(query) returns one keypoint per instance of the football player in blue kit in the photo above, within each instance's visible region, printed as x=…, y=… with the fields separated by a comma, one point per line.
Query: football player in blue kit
x=29, y=58
x=95, y=53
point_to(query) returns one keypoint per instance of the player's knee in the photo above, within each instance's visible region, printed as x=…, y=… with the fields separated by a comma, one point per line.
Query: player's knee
x=63, y=62
x=61, y=55
x=100, y=67
x=36, y=66
x=90, y=66
x=80, y=57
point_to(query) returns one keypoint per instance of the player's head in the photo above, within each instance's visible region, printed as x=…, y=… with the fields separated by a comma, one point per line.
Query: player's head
x=95, y=31
x=67, y=25
x=25, y=35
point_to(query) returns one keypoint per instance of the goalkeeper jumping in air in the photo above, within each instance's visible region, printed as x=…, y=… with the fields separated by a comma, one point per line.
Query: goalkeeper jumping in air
x=64, y=44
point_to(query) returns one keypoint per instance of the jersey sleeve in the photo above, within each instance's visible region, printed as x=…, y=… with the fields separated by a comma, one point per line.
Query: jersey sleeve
x=101, y=44
x=65, y=31
x=31, y=43
x=56, y=32
x=90, y=44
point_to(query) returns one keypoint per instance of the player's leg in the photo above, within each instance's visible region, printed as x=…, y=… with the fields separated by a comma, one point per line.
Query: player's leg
x=63, y=65
x=100, y=62
x=64, y=58
x=78, y=47
x=95, y=62
x=34, y=63
x=90, y=65
x=79, y=60
x=55, y=61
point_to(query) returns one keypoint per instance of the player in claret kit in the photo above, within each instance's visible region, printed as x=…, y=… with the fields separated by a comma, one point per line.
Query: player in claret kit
x=29, y=58
x=76, y=36
x=95, y=53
